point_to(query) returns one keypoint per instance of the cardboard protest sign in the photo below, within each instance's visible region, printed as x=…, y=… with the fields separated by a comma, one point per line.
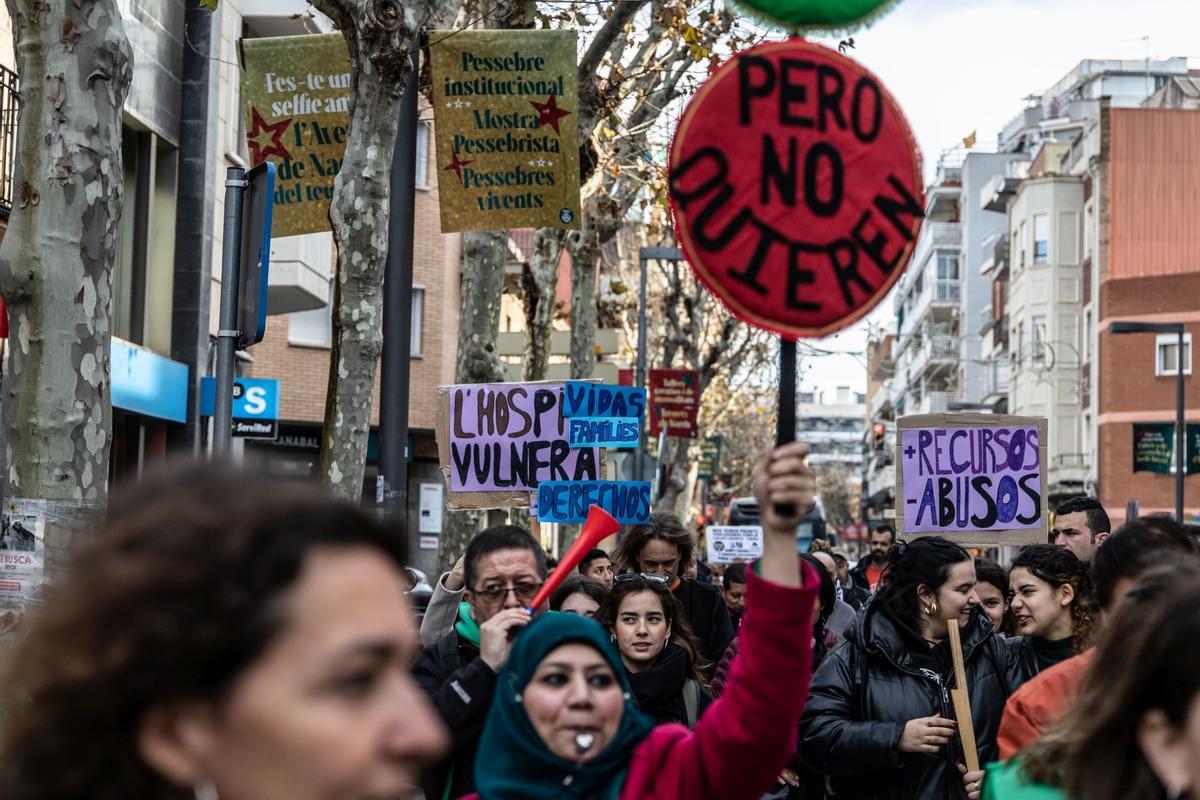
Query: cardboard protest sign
x=978, y=479
x=728, y=544
x=568, y=501
x=497, y=442
x=506, y=105
x=674, y=402
x=796, y=188
x=296, y=95
x=603, y=416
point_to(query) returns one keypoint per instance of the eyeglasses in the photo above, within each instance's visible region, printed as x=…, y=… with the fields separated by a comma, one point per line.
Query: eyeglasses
x=525, y=590
x=632, y=576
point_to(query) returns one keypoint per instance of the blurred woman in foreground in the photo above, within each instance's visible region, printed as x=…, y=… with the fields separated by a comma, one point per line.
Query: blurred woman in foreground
x=225, y=637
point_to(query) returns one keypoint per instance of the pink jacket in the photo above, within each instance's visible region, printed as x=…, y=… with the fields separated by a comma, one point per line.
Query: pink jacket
x=743, y=742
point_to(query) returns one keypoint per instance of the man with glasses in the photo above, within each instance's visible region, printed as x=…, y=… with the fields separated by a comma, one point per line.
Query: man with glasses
x=502, y=571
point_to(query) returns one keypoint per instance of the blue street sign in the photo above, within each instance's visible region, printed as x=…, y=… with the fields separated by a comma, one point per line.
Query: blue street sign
x=255, y=406
x=256, y=254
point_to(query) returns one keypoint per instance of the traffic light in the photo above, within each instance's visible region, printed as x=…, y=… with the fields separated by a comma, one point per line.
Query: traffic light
x=877, y=435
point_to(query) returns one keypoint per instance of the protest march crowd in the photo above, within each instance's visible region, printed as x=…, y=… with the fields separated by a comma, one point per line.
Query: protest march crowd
x=225, y=637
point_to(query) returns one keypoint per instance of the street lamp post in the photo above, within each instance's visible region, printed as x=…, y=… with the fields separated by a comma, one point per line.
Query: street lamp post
x=645, y=256
x=1180, y=457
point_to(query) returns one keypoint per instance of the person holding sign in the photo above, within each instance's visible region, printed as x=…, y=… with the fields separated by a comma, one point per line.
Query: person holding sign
x=879, y=720
x=563, y=723
x=1052, y=607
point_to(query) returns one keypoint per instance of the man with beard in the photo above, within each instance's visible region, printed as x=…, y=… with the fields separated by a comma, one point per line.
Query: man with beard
x=870, y=568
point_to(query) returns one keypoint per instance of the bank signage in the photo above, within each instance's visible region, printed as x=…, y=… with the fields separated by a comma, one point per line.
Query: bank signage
x=255, y=406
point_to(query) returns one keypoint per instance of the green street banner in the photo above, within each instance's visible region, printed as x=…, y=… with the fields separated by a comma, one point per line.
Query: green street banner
x=295, y=99
x=1153, y=447
x=710, y=458
x=506, y=117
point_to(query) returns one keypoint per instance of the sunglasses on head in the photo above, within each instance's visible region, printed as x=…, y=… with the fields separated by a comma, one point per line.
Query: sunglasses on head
x=631, y=576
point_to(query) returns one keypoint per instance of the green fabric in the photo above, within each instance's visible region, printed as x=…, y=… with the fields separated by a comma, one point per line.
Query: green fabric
x=466, y=626
x=513, y=763
x=1005, y=781
x=827, y=15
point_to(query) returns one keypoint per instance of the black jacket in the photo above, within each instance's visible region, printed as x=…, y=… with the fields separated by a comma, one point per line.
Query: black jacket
x=855, y=595
x=1034, y=655
x=461, y=686
x=708, y=615
x=858, y=573
x=659, y=690
x=881, y=677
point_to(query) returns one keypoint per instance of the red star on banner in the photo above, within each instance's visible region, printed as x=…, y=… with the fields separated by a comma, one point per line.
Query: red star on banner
x=549, y=113
x=457, y=166
x=266, y=140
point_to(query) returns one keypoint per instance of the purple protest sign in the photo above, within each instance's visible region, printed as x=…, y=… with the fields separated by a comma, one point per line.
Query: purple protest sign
x=971, y=476
x=508, y=437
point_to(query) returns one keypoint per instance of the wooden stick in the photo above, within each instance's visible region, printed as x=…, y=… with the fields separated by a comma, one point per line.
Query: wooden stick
x=962, y=702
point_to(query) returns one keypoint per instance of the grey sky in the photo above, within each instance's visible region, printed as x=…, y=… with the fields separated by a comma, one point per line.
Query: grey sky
x=956, y=67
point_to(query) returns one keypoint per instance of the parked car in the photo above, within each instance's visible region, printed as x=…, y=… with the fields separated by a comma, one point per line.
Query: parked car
x=744, y=511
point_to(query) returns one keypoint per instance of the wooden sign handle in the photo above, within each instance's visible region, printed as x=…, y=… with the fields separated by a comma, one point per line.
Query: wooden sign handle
x=962, y=701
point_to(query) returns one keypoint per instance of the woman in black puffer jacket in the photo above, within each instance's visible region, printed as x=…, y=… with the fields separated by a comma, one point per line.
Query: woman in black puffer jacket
x=879, y=719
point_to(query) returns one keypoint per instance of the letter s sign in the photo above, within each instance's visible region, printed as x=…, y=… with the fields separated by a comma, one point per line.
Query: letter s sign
x=256, y=400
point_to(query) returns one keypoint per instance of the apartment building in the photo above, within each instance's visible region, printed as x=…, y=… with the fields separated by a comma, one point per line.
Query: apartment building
x=1100, y=224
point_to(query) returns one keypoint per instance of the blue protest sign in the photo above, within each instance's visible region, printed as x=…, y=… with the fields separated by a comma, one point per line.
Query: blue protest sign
x=569, y=501
x=603, y=431
x=583, y=399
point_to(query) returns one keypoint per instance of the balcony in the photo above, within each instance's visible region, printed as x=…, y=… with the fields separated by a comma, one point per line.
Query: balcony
x=934, y=353
x=934, y=403
x=995, y=381
x=943, y=234
x=881, y=402
x=882, y=480
x=1068, y=470
x=299, y=276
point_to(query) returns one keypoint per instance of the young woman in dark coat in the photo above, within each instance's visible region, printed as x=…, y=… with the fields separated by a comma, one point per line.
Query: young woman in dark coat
x=879, y=719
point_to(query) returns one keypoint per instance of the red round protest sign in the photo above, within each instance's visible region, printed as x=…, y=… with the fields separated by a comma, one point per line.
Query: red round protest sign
x=796, y=188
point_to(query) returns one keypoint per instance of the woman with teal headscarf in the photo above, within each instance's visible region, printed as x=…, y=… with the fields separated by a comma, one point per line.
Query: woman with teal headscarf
x=564, y=724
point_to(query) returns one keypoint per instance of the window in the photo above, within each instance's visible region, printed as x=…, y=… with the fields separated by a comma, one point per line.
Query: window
x=1041, y=238
x=418, y=309
x=947, y=265
x=1086, y=344
x=1039, y=338
x=422, y=173
x=1167, y=361
x=1015, y=255
x=1022, y=243
x=315, y=328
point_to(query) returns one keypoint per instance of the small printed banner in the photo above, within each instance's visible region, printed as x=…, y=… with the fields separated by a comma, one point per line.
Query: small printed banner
x=506, y=112
x=1154, y=447
x=603, y=416
x=975, y=478
x=22, y=551
x=569, y=501
x=710, y=458
x=497, y=442
x=728, y=544
x=295, y=96
x=674, y=402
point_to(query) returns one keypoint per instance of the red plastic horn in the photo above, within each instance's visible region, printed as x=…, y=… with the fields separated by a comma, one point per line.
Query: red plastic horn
x=599, y=526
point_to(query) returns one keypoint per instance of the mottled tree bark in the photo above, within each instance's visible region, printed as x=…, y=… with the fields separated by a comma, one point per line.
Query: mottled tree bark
x=57, y=259
x=584, y=247
x=378, y=34
x=539, y=284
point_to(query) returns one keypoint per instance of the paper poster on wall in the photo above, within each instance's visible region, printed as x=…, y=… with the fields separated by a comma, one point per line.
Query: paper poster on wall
x=728, y=544
x=22, y=551
x=429, y=513
x=975, y=478
x=498, y=442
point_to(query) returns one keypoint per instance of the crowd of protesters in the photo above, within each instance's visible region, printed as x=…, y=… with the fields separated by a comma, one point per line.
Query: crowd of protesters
x=225, y=638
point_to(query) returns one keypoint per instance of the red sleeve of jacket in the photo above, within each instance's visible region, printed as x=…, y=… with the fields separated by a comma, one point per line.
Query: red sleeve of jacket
x=746, y=737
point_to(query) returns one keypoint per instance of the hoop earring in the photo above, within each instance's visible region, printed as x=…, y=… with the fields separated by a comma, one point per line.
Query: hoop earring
x=204, y=790
x=931, y=609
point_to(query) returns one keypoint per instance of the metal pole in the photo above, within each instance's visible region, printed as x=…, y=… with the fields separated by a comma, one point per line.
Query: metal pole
x=785, y=428
x=227, y=334
x=1181, y=456
x=392, y=484
x=639, y=455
